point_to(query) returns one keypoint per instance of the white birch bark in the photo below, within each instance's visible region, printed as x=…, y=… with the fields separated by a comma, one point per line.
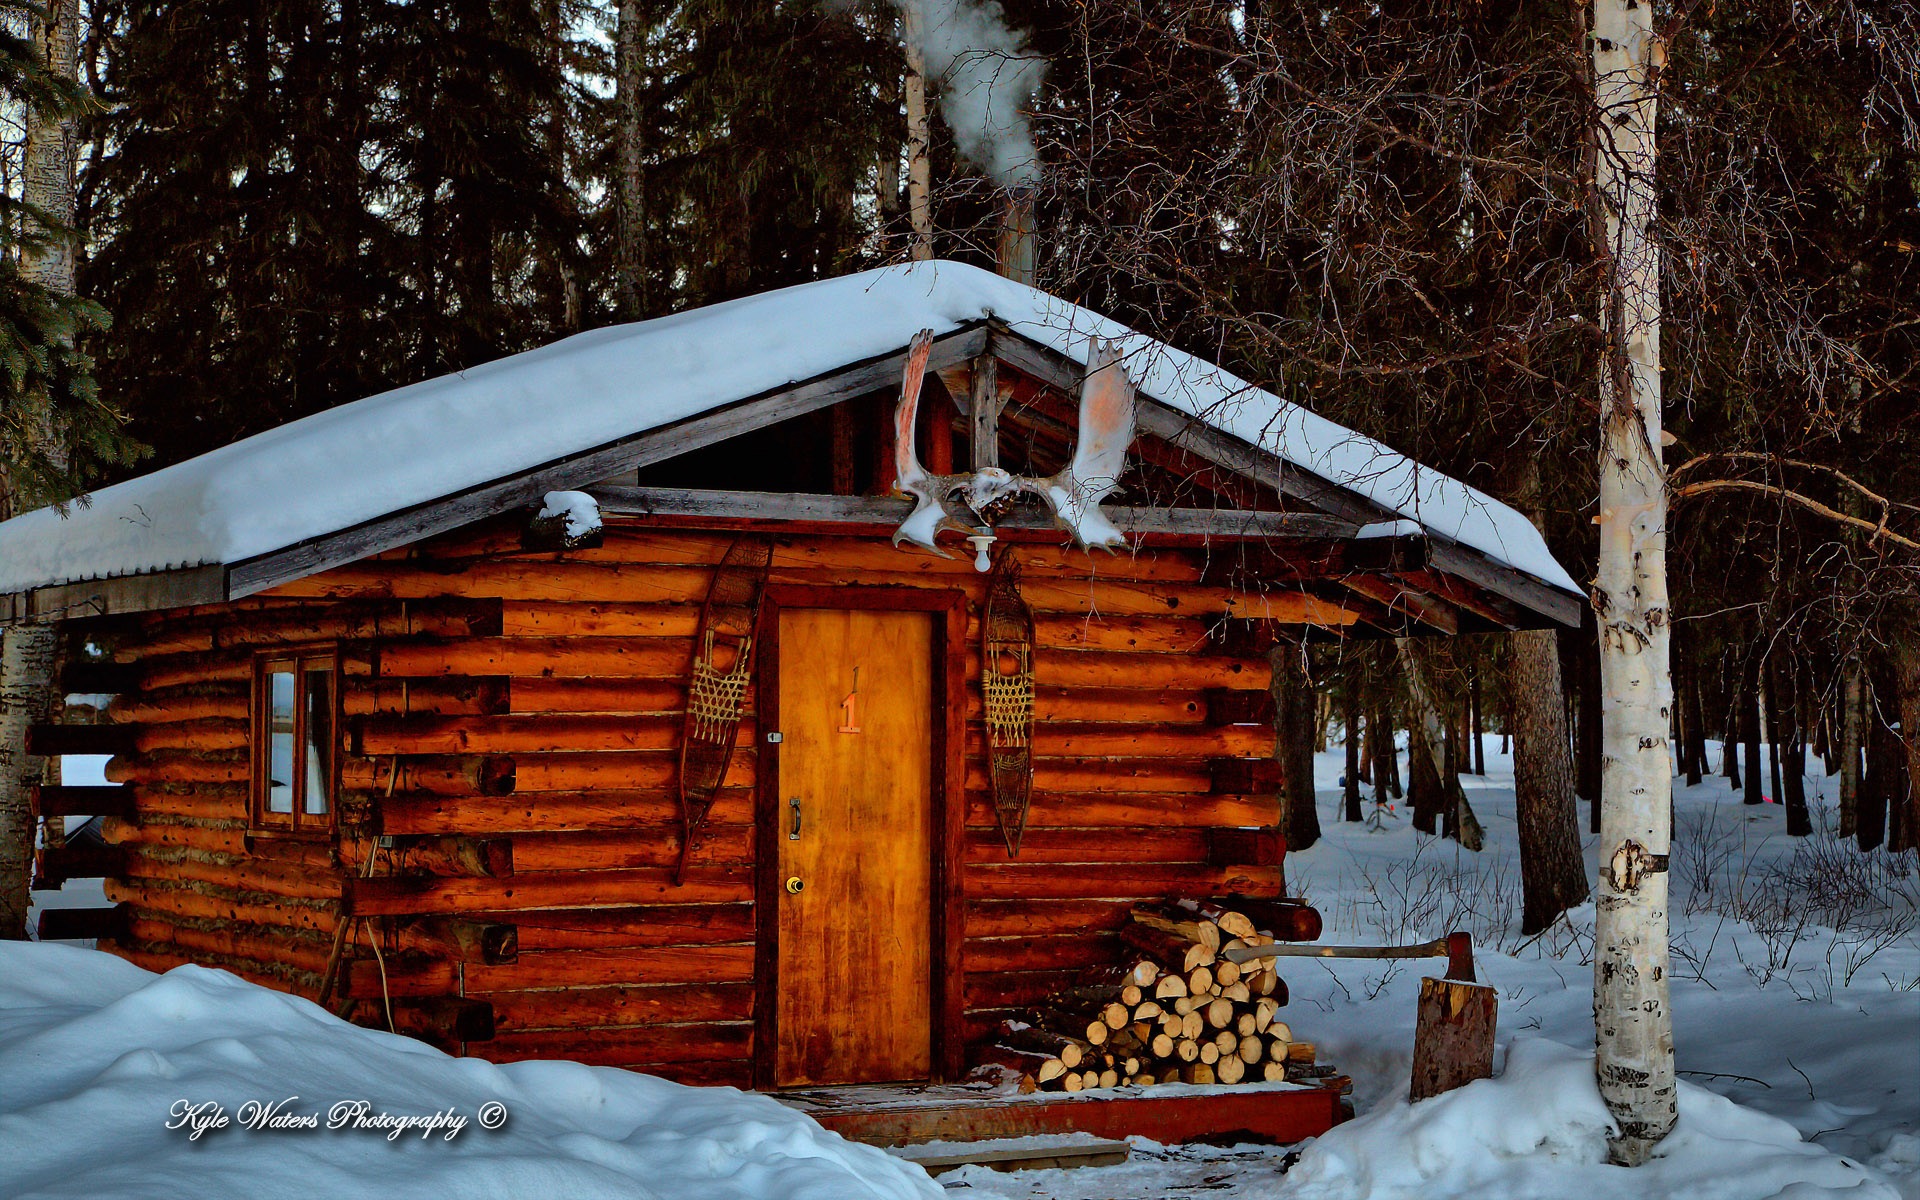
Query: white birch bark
x=1632, y=1019
x=27, y=652
x=919, y=141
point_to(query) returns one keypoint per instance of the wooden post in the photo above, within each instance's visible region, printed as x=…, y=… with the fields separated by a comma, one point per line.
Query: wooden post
x=985, y=414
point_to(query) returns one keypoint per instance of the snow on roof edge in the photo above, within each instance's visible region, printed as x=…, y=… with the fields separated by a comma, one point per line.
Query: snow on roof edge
x=419, y=443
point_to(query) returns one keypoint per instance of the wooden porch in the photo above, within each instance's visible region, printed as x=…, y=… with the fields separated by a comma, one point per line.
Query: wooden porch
x=904, y=1114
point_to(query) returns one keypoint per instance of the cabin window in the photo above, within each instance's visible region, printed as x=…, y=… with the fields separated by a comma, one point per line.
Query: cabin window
x=294, y=705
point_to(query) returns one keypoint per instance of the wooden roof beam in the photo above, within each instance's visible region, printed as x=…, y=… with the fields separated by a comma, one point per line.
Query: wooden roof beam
x=888, y=511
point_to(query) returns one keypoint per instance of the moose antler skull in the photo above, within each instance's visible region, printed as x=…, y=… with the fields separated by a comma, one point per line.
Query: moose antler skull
x=966, y=502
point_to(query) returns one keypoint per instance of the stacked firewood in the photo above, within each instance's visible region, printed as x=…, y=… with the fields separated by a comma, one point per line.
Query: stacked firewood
x=1176, y=1010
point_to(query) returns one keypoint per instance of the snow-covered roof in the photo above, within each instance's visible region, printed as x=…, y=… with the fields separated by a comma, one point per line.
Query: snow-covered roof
x=429, y=440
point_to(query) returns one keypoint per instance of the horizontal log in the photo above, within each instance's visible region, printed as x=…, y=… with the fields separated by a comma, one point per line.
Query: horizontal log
x=486, y=775
x=599, y=695
x=206, y=734
x=454, y=854
x=189, y=801
x=1244, y=776
x=221, y=837
x=609, y=619
x=69, y=800
x=191, y=702
x=52, y=740
x=1240, y=706
x=1130, y=706
x=1142, y=635
x=1008, y=992
x=1245, y=847
x=1092, y=809
x=693, y=1043
x=547, y=658
x=398, y=895
x=179, y=767
x=184, y=898
x=1240, y=635
x=1146, y=843
x=520, y=734
x=630, y=965
x=1165, y=776
x=1104, y=669
x=454, y=695
x=531, y=811
x=55, y=865
x=488, y=942
x=574, y=579
x=256, y=943
x=160, y=959
x=642, y=846
x=1049, y=953
x=442, y=1020
x=1007, y=881
x=229, y=666
x=637, y=925
x=288, y=624
x=231, y=871
x=578, y=1009
x=1062, y=740
x=619, y=769
x=1038, y=918
x=82, y=924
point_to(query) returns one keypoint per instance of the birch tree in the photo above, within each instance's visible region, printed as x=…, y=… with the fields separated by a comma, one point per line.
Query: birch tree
x=27, y=652
x=1632, y=1020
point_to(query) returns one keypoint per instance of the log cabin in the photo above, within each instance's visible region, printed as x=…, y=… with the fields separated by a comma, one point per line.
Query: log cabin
x=605, y=701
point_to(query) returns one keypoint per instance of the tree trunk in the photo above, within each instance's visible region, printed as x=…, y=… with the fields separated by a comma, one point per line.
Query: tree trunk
x=1350, y=713
x=1633, y=1023
x=1553, y=874
x=27, y=652
x=919, y=142
x=1478, y=726
x=1903, y=790
x=1696, y=748
x=1750, y=731
x=630, y=271
x=1850, y=728
x=1586, y=724
x=1293, y=705
x=1435, y=786
x=1785, y=692
x=1771, y=722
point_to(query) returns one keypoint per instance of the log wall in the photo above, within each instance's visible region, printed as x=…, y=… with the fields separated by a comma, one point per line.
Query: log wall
x=529, y=705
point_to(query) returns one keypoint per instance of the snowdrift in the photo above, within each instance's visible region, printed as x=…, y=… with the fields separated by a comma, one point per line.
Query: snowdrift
x=95, y=1053
x=1539, y=1129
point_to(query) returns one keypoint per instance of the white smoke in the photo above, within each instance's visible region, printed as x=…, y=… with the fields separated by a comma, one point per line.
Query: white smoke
x=987, y=76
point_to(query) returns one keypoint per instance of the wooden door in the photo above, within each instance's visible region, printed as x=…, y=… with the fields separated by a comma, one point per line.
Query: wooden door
x=854, y=1001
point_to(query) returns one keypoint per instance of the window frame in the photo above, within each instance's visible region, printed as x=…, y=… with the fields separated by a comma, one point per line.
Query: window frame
x=298, y=823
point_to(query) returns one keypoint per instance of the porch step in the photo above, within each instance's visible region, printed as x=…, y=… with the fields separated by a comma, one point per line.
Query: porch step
x=1037, y=1153
x=905, y=1114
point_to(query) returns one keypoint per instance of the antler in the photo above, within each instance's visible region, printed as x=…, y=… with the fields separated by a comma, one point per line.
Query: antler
x=1099, y=454
x=933, y=510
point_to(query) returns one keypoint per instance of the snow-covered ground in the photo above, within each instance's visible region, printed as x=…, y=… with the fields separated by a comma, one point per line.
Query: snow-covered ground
x=1796, y=992
x=1812, y=1032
